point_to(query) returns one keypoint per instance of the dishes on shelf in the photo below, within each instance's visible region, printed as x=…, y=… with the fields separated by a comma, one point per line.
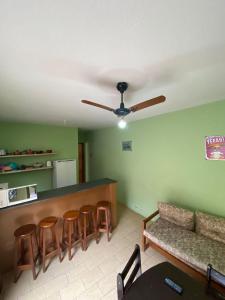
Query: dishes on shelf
x=27, y=155
x=38, y=165
x=25, y=152
x=5, y=168
x=13, y=167
x=29, y=169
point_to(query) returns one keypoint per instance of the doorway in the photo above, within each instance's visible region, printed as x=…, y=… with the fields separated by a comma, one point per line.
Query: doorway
x=81, y=160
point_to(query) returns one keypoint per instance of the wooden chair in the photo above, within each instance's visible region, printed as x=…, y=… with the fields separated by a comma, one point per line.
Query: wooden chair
x=72, y=234
x=26, y=246
x=136, y=272
x=1, y=283
x=104, y=222
x=218, y=278
x=214, y=275
x=52, y=248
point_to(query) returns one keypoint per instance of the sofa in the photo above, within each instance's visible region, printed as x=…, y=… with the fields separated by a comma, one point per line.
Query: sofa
x=195, y=239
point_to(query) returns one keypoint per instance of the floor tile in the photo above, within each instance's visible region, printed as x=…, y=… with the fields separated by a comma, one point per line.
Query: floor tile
x=107, y=284
x=72, y=290
x=92, y=293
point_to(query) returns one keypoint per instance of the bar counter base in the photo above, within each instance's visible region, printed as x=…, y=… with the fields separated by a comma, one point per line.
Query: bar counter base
x=33, y=212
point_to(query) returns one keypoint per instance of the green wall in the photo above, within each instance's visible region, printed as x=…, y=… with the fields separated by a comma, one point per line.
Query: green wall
x=13, y=136
x=83, y=136
x=167, y=162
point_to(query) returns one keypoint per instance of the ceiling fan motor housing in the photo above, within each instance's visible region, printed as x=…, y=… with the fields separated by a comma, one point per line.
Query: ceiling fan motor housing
x=122, y=111
x=122, y=87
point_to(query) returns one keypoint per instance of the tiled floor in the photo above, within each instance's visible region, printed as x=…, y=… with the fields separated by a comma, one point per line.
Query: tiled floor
x=90, y=275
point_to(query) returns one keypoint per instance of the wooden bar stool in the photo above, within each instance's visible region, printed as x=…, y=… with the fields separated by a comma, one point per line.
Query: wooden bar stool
x=49, y=248
x=104, y=222
x=72, y=234
x=26, y=245
x=89, y=225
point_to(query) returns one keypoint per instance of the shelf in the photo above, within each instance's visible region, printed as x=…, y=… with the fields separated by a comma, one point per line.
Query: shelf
x=26, y=155
x=26, y=170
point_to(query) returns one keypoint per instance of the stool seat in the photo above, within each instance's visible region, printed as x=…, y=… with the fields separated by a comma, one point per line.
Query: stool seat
x=71, y=215
x=86, y=209
x=48, y=222
x=103, y=204
x=25, y=230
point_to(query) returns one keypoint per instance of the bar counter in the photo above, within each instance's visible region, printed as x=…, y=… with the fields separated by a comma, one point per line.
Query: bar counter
x=53, y=202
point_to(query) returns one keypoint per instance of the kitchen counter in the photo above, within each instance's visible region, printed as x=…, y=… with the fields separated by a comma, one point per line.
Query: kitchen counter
x=73, y=188
x=51, y=203
x=46, y=195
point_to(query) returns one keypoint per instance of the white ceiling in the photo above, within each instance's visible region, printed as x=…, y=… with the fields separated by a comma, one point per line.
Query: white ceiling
x=54, y=53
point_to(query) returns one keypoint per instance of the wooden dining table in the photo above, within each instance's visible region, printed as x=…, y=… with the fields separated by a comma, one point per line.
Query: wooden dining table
x=151, y=286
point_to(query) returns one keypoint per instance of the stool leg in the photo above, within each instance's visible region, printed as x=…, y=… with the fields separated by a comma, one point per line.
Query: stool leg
x=85, y=233
x=95, y=226
x=31, y=254
x=97, y=218
x=57, y=244
x=53, y=236
x=63, y=235
x=98, y=223
x=88, y=224
x=107, y=223
x=80, y=234
x=17, y=251
x=110, y=220
x=43, y=248
x=75, y=230
x=40, y=240
x=70, y=240
x=36, y=245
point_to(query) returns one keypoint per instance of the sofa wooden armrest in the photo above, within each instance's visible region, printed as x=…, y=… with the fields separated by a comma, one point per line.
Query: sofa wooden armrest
x=146, y=220
x=144, y=223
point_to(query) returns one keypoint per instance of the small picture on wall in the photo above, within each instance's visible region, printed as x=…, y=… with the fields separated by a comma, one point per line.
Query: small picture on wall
x=127, y=146
x=215, y=147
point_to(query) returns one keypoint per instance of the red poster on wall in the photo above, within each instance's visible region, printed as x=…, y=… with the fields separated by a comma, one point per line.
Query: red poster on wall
x=215, y=147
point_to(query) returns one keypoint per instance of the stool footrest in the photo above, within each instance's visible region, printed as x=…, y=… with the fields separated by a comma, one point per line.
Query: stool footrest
x=73, y=241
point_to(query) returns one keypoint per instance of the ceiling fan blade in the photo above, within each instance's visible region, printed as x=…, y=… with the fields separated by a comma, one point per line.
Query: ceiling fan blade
x=97, y=105
x=147, y=103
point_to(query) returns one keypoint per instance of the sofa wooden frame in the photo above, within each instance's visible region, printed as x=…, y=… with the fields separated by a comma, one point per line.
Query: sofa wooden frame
x=146, y=243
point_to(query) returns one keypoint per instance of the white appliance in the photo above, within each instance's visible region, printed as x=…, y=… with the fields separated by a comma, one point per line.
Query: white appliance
x=4, y=186
x=64, y=172
x=18, y=195
x=3, y=198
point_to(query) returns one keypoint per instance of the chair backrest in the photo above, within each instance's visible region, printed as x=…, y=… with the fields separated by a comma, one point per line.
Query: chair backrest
x=136, y=272
x=214, y=275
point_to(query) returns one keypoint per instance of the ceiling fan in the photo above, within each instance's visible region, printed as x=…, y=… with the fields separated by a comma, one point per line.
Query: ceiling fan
x=122, y=111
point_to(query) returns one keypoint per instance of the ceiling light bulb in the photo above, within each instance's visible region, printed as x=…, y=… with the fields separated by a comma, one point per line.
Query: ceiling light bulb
x=122, y=124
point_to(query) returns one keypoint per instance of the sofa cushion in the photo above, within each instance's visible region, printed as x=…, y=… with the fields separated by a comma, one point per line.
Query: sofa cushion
x=210, y=226
x=194, y=249
x=176, y=215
